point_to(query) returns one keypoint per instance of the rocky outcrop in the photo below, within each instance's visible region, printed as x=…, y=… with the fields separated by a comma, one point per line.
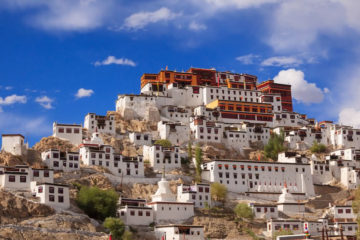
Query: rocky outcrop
x=47, y=143
x=14, y=209
x=19, y=232
x=8, y=159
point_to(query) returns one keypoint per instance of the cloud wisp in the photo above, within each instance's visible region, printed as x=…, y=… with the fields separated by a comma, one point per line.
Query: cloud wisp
x=82, y=93
x=117, y=61
x=45, y=102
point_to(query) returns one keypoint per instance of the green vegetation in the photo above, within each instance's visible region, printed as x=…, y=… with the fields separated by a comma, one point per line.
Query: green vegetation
x=243, y=211
x=282, y=232
x=163, y=142
x=218, y=192
x=275, y=145
x=251, y=233
x=116, y=228
x=97, y=203
x=318, y=148
x=189, y=150
x=198, y=162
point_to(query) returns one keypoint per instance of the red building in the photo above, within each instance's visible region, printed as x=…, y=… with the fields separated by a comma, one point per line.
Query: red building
x=284, y=89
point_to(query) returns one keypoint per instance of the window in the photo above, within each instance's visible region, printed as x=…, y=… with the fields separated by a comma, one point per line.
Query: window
x=200, y=189
x=258, y=209
x=22, y=178
x=51, y=189
x=55, y=155
x=51, y=198
x=348, y=210
x=140, y=213
x=148, y=213
x=46, y=173
x=36, y=172
x=340, y=211
x=11, y=178
x=68, y=130
x=40, y=189
x=60, y=199
x=60, y=190
x=76, y=130
x=61, y=130
x=132, y=213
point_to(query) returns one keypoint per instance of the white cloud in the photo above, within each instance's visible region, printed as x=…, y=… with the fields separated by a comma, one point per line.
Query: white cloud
x=350, y=116
x=45, y=102
x=302, y=90
x=82, y=92
x=296, y=25
x=237, y=4
x=281, y=61
x=66, y=15
x=248, y=59
x=8, y=87
x=12, y=99
x=195, y=26
x=142, y=19
x=113, y=60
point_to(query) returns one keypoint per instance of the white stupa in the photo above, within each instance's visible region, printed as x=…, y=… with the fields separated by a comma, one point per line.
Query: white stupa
x=164, y=193
x=95, y=139
x=288, y=204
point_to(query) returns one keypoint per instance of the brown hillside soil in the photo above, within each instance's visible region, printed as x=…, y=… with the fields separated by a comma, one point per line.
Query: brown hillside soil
x=8, y=159
x=47, y=143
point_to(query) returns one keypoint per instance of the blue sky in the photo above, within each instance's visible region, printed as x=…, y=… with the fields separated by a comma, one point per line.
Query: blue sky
x=52, y=48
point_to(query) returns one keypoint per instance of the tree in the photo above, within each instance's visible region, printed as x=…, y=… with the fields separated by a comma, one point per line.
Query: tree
x=189, y=149
x=163, y=142
x=218, y=192
x=243, y=211
x=198, y=162
x=282, y=232
x=275, y=145
x=116, y=227
x=318, y=148
x=97, y=203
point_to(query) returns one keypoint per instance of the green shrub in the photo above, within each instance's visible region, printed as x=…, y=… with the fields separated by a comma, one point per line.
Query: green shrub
x=198, y=162
x=218, y=191
x=275, y=145
x=97, y=203
x=163, y=143
x=116, y=228
x=243, y=211
x=318, y=148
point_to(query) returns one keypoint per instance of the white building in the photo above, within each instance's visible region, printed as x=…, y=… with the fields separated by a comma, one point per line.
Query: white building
x=275, y=225
x=162, y=157
x=176, y=114
x=199, y=194
x=14, y=144
x=176, y=132
x=70, y=132
x=179, y=232
x=101, y=124
x=140, y=138
x=54, y=195
x=165, y=206
x=20, y=177
x=289, y=120
x=348, y=154
x=63, y=161
x=141, y=106
x=342, y=213
x=260, y=177
x=95, y=153
x=135, y=212
x=206, y=131
x=320, y=170
x=264, y=211
x=304, y=138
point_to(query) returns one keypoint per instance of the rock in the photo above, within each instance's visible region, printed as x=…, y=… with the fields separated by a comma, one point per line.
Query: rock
x=8, y=159
x=47, y=143
x=14, y=209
